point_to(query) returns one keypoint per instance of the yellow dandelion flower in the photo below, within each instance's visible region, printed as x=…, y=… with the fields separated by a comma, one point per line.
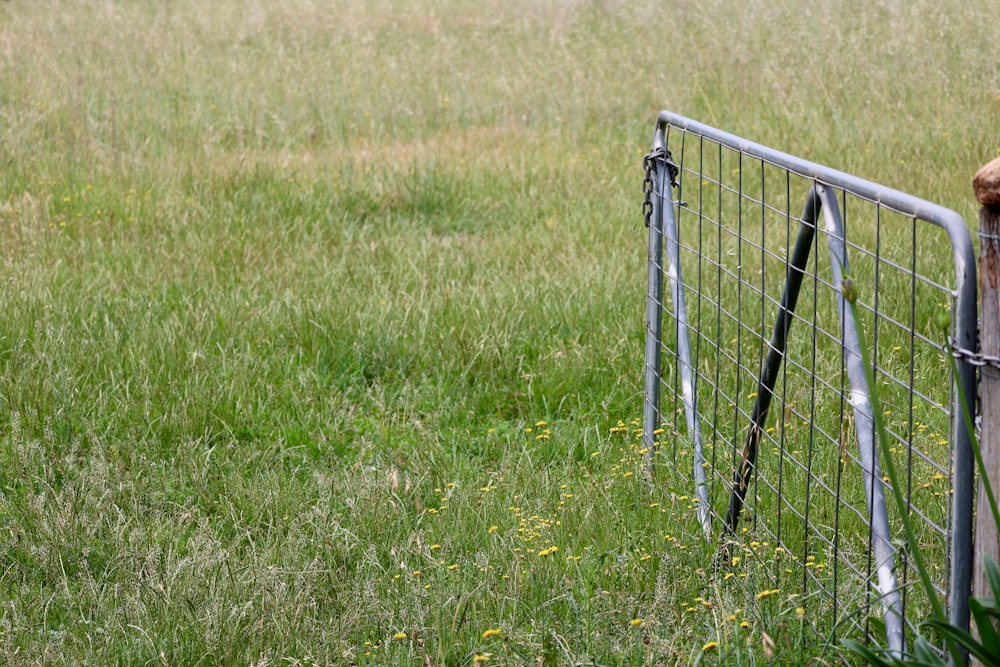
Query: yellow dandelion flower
x=492, y=529
x=636, y=622
x=480, y=658
x=710, y=645
x=453, y=566
x=541, y=423
x=491, y=632
x=744, y=625
x=435, y=547
x=400, y=636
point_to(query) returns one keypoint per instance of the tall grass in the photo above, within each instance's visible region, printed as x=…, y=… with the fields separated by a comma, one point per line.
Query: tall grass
x=287, y=289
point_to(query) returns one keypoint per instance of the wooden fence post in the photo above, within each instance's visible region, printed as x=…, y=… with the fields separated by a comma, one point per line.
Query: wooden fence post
x=987, y=540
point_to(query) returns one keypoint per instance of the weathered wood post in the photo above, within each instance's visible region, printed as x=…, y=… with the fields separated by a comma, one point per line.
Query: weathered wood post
x=987, y=541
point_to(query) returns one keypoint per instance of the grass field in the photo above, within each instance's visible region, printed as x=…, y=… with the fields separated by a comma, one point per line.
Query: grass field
x=321, y=324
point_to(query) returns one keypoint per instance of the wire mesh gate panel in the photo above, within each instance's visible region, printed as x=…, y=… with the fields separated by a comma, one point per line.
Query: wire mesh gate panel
x=754, y=382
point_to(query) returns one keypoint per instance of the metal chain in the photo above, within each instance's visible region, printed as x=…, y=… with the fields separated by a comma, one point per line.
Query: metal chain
x=974, y=358
x=648, y=164
x=647, y=183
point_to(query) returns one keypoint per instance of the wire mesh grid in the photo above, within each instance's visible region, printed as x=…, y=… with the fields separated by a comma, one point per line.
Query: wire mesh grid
x=806, y=522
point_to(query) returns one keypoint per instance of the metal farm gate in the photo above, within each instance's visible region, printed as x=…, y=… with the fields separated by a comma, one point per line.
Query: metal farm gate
x=755, y=382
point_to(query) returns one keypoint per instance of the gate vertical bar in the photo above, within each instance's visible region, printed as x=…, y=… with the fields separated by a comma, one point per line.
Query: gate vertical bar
x=966, y=327
x=687, y=369
x=654, y=310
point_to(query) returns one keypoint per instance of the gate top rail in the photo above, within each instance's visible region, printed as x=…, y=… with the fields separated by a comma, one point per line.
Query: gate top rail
x=945, y=218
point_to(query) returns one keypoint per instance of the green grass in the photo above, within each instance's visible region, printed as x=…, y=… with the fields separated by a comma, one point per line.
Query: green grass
x=285, y=287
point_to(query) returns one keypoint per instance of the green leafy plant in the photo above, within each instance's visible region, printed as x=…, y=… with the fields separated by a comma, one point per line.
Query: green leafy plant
x=984, y=613
x=986, y=648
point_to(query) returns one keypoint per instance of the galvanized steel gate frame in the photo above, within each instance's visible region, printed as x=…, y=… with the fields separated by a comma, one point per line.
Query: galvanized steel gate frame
x=822, y=200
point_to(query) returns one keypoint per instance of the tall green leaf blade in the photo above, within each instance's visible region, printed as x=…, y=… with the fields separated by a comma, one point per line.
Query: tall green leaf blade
x=869, y=656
